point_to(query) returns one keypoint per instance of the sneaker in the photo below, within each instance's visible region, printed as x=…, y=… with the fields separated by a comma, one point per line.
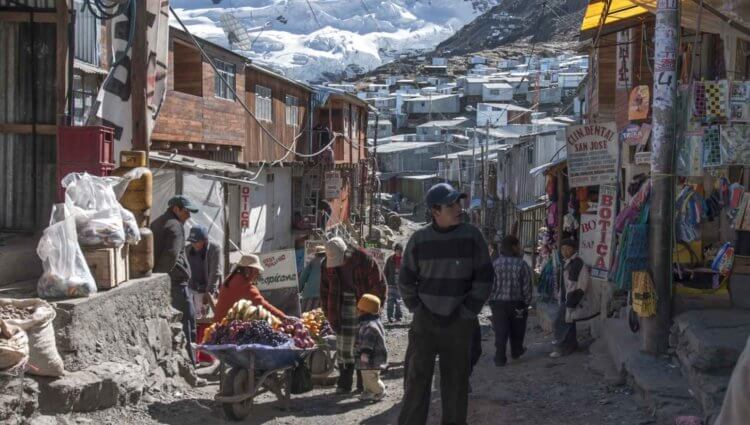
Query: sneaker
x=200, y=382
x=500, y=362
x=365, y=396
x=340, y=390
x=555, y=354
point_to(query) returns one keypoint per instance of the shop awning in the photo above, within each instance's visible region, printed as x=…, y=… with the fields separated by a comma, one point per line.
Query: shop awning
x=543, y=168
x=531, y=205
x=621, y=14
x=718, y=16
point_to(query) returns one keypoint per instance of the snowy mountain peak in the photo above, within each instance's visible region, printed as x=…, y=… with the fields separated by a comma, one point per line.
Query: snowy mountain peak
x=312, y=39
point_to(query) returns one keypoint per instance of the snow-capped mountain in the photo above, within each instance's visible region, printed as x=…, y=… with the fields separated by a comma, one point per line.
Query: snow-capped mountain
x=312, y=39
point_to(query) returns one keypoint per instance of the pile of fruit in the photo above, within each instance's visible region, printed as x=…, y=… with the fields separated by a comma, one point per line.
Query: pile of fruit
x=315, y=321
x=244, y=332
x=294, y=327
x=244, y=310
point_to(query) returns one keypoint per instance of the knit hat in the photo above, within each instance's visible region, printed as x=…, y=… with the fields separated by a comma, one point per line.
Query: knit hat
x=369, y=304
x=335, y=250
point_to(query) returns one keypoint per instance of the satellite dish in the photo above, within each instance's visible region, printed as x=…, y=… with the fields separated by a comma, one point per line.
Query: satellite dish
x=236, y=32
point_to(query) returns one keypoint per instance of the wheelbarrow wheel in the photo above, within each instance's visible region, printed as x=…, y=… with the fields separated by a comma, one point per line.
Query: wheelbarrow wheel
x=237, y=381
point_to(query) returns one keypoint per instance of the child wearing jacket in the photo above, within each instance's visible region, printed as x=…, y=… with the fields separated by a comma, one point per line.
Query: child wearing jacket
x=372, y=354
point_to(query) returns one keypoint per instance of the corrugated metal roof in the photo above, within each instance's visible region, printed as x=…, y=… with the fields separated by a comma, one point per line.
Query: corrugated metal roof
x=200, y=164
x=430, y=98
x=420, y=177
x=405, y=146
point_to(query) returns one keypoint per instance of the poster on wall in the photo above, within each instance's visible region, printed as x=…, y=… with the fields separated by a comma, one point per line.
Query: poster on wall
x=739, y=101
x=735, y=145
x=638, y=104
x=592, y=154
x=245, y=207
x=635, y=135
x=596, y=233
x=332, y=184
x=278, y=282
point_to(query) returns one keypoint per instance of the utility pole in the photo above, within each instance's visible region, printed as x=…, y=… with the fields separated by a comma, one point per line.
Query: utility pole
x=138, y=76
x=485, y=148
x=373, y=186
x=656, y=329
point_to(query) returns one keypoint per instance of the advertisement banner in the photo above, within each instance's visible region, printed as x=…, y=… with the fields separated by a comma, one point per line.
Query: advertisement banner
x=592, y=154
x=596, y=233
x=278, y=282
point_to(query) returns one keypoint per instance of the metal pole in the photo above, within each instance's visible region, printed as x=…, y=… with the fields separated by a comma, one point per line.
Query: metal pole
x=656, y=329
x=485, y=147
x=373, y=185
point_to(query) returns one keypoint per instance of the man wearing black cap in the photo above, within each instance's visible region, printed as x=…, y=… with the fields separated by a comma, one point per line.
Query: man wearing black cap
x=206, y=268
x=170, y=258
x=445, y=279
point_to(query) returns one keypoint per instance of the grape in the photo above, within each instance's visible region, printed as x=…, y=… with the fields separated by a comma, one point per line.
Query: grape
x=252, y=332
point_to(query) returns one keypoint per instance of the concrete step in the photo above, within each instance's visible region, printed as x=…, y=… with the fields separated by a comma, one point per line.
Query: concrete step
x=708, y=344
x=97, y=387
x=657, y=381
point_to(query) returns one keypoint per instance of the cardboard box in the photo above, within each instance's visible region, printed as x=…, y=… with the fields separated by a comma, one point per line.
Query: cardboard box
x=109, y=266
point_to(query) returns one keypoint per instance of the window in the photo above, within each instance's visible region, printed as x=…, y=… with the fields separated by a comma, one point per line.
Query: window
x=227, y=71
x=86, y=35
x=263, y=103
x=292, y=114
x=84, y=93
x=495, y=92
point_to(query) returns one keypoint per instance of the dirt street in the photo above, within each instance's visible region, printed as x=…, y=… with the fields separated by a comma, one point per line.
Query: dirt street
x=533, y=390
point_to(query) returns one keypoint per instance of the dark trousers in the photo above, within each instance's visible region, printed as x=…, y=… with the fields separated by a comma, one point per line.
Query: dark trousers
x=450, y=339
x=182, y=301
x=393, y=304
x=509, y=320
x=476, y=346
x=565, y=333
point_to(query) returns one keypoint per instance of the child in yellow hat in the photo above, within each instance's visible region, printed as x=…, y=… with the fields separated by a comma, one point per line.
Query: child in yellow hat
x=370, y=347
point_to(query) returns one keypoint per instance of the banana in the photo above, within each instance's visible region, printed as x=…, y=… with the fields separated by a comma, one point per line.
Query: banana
x=250, y=312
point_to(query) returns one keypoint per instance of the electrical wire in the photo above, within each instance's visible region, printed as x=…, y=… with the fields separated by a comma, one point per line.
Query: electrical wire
x=239, y=99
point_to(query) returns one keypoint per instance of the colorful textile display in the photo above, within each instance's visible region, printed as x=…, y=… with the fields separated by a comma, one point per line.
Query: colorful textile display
x=690, y=212
x=711, y=146
x=633, y=254
x=735, y=144
x=689, y=152
x=739, y=101
x=710, y=100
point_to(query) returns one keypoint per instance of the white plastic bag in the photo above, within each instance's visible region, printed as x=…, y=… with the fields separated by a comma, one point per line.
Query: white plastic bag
x=130, y=225
x=43, y=356
x=99, y=219
x=66, y=273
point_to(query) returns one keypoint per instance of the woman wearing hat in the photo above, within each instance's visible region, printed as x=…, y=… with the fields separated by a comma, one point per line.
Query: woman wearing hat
x=239, y=285
x=309, y=281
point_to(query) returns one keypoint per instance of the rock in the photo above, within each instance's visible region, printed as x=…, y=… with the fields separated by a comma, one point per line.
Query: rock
x=44, y=420
x=97, y=387
x=18, y=398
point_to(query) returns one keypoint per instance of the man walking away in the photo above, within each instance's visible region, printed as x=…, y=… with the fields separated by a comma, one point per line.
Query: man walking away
x=206, y=268
x=170, y=258
x=309, y=281
x=445, y=279
x=510, y=299
x=392, y=266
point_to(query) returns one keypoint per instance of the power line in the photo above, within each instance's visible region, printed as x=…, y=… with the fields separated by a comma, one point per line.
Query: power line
x=239, y=99
x=315, y=15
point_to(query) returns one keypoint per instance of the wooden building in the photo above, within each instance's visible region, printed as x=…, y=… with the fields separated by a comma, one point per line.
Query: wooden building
x=200, y=116
x=281, y=105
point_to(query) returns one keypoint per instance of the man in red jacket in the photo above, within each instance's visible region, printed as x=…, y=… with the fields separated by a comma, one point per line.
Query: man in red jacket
x=348, y=274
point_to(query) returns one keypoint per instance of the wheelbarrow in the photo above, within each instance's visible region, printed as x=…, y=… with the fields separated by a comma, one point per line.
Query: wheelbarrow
x=248, y=371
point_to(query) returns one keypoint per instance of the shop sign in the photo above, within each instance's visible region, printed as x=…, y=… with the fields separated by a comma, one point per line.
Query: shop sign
x=635, y=135
x=596, y=233
x=245, y=207
x=592, y=154
x=639, y=103
x=278, y=282
x=332, y=184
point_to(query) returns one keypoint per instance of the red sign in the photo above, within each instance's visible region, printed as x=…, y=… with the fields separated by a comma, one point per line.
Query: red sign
x=244, y=207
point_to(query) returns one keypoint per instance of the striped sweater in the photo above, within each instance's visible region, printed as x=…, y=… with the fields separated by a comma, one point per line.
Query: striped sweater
x=446, y=270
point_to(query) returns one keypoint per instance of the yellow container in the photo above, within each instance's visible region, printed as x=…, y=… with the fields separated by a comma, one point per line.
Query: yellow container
x=142, y=255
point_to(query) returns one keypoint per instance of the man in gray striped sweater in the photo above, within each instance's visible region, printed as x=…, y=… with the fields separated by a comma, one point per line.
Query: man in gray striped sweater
x=445, y=279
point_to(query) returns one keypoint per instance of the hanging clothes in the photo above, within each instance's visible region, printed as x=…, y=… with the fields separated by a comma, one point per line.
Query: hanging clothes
x=689, y=213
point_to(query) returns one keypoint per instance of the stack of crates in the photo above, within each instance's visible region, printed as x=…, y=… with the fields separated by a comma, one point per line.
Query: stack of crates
x=88, y=149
